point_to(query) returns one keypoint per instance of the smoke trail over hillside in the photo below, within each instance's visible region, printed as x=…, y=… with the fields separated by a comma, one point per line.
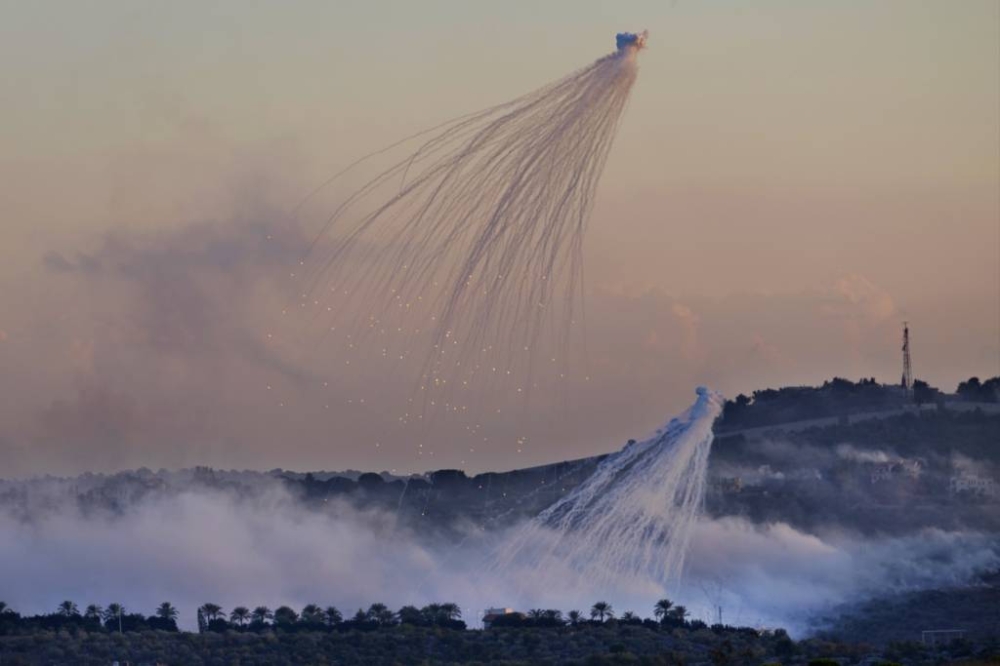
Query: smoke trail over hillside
x=472, y=243
x=632, y=519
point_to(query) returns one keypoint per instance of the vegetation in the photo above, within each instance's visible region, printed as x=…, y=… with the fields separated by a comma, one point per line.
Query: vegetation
x=433, y=634
x=839, y=397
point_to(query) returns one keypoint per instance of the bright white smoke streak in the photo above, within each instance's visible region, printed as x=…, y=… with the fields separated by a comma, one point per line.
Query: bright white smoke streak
x=632, y=519
x=476, y=237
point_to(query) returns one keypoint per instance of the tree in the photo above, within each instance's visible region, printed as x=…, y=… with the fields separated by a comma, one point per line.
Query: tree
x=411, y=615
x=923, y=393
x=261, y=614
x=451, y=611
x=574, y=617
x=312, y=614
x=166, y=611
x=332, y=616
x=211, y=612
x=975, y=390
x=285, y=616
x=969, y=390
x=93, y=612
x=114, y=612
x=679, y=613
x=536, y=613
x=441, y=614
x=68, y=609
x=601, y=611
x=553, y=616
x=5, y=609
x=381, y=615
x=661, y=609
x=240, y=615
x=629, y=616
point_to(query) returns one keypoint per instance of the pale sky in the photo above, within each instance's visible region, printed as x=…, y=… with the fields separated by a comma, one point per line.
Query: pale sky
x=790, y=182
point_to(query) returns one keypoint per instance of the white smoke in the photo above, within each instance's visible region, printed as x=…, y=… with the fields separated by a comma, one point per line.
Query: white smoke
x=635, y=518
x=848, y=452
x=632, y=518
x=206, y=546
x=775, y=575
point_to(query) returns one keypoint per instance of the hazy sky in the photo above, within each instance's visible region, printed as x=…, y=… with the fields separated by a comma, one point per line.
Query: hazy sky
x=790, y=182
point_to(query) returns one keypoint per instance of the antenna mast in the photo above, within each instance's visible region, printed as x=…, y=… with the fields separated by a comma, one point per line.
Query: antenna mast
x=907, y=369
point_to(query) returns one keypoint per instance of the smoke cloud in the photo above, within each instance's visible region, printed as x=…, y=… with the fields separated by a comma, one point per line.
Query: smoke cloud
x=775, y=575
x=264, y=547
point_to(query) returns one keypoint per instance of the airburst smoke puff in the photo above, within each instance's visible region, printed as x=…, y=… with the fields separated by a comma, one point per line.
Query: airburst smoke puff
x=472, y=242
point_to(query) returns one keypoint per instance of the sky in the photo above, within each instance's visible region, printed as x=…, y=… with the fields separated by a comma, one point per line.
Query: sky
x=790, y=182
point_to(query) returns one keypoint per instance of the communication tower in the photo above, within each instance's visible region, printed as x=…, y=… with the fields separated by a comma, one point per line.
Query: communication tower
x=907, y=369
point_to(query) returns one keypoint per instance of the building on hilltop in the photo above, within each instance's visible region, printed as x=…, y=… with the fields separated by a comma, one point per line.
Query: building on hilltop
x=492, y=614
x=973, y=485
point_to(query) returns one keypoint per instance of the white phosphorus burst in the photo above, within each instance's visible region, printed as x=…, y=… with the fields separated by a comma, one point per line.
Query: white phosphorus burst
x=476, y=236
x=632, y=518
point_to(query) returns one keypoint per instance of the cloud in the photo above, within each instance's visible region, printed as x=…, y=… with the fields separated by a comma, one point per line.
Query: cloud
x=858, y=296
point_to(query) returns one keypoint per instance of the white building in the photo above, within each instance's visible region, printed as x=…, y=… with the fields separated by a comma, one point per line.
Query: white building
x=972, y=484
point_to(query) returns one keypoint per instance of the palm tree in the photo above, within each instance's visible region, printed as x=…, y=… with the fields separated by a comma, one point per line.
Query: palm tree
x=574, y=617
x=284, y=616
x=662, y=608
x=412, y=615
x=312, y=614
x=451, y=611
x=261, y=614
x=211, y=612
x=113, y=611
x=5, y=609
x=602, y=610
x=679, y=613
x=68, y=609
x=240, y=615
x=166, y=611
x=93, y=612
x=332, y=616
x=381, y=615
x=629, y=616
x=441, y=613
x=431, y=613
x=553, y=617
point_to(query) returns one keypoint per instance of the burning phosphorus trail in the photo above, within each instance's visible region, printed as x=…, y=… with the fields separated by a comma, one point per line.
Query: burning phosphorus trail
x=633, y=517
x=475, y=237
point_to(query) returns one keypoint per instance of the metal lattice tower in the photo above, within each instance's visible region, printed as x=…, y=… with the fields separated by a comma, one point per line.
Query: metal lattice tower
x=907, y=369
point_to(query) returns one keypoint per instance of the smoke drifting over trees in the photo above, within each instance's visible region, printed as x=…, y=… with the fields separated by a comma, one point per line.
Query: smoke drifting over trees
x=806, y=518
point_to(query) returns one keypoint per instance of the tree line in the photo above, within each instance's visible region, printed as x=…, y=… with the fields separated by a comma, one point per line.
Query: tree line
x=212, y=617
x=94, y=618
x=665, y=612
